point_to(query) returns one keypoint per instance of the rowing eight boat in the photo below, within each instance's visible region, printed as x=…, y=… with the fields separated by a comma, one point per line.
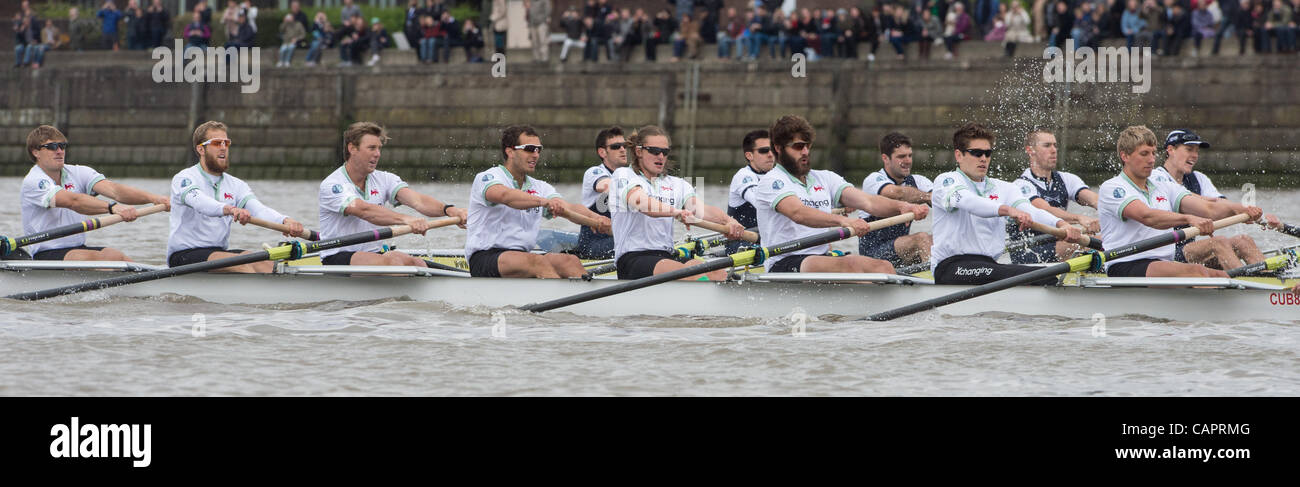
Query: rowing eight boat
x=770, y=295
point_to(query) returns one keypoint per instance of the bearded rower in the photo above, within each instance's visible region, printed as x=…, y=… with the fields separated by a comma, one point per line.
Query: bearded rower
x=611, y=148
x=353, y=198
x=969, y=232
x=55, y=194
x=506, y=210
x=646, y=200
x=759, y=159
x=1134, y=207
x=1183, y=148
x=794, y=201
x=895, y=181
x=1051, y=191
x=207, y=199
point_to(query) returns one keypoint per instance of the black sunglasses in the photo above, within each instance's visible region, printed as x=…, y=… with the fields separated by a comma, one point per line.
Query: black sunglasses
x=616, y=146
x=529, y=148
x=54, y=146
x=658, y=151
x=799, y=146
x=762, y=150
x=979, y=152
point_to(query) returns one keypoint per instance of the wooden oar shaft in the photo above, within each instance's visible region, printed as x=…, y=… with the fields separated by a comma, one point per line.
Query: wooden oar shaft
x=276, y=253
x=1076, y=264
x=1059, y=233
x=307, y=234
x=748, y=236
x=72, y=229
x=740, y=258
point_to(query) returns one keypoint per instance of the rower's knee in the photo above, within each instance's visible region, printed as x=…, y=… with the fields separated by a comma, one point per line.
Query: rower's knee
x=876, y=266
x=567, y=265
x=112, y=254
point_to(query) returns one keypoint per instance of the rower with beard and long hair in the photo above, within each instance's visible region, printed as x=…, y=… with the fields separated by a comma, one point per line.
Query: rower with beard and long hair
x=1136, y=205
x=794, y=201
x=205, y=199
x=969, y=231
x=645, y=201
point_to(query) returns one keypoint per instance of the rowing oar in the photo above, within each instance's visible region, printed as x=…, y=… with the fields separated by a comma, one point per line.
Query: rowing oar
x=1273, y=263
x=1291, y=230
x=1076, y=264
x=742, y=258
x=307, y=234
x=8, y=245
x=292, y=250
x=692, y=247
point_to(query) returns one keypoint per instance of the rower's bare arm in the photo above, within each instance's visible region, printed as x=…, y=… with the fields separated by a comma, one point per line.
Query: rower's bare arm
x=1218, y=208
x=875, y=205
x=639, y=200
x=582, y=215
x=602, y=186
x=80, y=203
x=1158, y=219
x=513, y=198
x=373, y=213
x=423, y=203
x=904, y=193
x=1042, y=204
x=794, y=209
x=1087, y=197
x=122, y=193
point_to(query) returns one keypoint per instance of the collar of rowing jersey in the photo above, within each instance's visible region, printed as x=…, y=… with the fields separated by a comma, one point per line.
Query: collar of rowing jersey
x=360, y=190
x=983, y=186
x=812, y=186
x=510, y=178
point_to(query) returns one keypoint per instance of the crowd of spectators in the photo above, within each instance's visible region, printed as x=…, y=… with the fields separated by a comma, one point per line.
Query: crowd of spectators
x=763, y=28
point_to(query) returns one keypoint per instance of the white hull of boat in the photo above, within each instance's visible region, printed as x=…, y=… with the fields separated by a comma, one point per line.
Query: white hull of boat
x=763, y=296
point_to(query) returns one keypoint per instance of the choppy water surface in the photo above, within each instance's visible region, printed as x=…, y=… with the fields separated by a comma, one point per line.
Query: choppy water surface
x=185, y=346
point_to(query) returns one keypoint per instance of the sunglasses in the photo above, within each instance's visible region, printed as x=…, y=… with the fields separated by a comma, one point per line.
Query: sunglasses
x=529, y=148
x=979, y=152
x=762, y=150
x=54, y=146
x=658, y=151
x=217, y=142
x=617, y=146
x=799, y=146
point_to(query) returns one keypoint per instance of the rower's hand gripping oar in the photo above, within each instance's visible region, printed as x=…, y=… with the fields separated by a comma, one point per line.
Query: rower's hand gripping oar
x=292, y=250
x=745, y=257
x=8, y=245
x=1291, y=230
x=1281, y=261
x=747, y=235
x=1060, y=233
x=1076, y=264
x=307, y=234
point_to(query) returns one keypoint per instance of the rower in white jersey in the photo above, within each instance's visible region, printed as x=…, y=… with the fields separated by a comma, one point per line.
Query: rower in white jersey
x=969, y=232
x=1051, y=191
x=1183, y=148
x=505, y=213
x=56, y=194
x=794, y=201
x=611, y=148
x=205, y=199
x=646, y=200
x=353, y=198
x=895, y=181
x=1134, y=207
x=759, y=159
